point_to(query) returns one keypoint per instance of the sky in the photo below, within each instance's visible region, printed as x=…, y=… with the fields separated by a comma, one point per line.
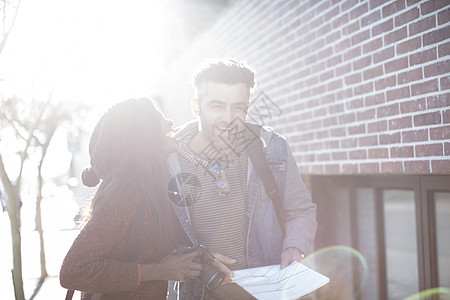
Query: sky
x=98, y=51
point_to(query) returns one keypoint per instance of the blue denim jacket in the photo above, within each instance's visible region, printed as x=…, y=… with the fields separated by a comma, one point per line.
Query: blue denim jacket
x=265, y=240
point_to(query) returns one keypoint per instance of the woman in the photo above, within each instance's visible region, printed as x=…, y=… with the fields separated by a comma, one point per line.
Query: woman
x=127, y=150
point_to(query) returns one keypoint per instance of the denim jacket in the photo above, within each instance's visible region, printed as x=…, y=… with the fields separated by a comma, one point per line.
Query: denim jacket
x=265, y=240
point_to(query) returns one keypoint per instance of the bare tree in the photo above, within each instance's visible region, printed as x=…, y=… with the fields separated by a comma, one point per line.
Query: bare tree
x=33, y=126
x=56, y=115
x=9, y=117
x=9, y=10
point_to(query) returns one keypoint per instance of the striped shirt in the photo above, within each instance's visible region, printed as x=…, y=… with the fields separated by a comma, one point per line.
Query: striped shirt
x=220, y=222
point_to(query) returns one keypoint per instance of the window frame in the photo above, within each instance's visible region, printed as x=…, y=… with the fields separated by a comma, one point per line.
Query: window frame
x=424, y=187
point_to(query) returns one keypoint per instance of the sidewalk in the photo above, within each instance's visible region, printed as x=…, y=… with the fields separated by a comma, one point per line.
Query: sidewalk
x=57, y=217
x=56, y=245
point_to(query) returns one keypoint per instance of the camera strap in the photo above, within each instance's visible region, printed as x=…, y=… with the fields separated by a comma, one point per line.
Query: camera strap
x=256, y=154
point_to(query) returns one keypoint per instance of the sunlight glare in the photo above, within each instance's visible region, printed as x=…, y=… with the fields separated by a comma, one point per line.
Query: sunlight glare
x=101, y=51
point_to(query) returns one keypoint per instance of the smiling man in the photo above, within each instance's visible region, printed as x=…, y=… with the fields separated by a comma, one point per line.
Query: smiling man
x=218, y=105
x=232, y=215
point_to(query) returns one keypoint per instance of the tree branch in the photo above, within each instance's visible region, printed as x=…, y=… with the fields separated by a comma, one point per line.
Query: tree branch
x=12, y=122
x=3, y=175
x=31, y=137
x=7, y=32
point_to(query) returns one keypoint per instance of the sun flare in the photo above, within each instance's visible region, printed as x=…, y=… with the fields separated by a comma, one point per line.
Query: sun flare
x=92, y=51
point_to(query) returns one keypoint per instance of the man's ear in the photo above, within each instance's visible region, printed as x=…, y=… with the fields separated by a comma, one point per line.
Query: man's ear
x=195, y=107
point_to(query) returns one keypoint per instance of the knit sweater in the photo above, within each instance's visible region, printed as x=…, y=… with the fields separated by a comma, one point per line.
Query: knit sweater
x=94, y=263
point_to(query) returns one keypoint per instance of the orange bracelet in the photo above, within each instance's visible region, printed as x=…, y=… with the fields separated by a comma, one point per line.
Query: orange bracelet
x=139, y=274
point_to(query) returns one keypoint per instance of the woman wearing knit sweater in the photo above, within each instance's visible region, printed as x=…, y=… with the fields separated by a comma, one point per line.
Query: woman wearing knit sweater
x=127, y=149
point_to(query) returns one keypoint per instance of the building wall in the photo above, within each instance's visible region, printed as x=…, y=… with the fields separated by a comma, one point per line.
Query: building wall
x=357, y=87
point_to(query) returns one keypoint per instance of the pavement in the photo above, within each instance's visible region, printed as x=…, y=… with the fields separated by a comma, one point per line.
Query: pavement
x=59, y=234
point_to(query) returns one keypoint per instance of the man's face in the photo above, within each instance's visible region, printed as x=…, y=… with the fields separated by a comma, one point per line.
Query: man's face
x=222, y=110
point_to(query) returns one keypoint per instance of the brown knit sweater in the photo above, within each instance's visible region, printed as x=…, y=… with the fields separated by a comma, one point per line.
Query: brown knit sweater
x=94, y=262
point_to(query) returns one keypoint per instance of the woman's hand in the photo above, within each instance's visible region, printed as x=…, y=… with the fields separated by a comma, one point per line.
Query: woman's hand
x=175, y=267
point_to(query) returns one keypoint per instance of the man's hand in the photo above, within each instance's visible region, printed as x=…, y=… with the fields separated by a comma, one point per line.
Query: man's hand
x=289, y=255
x=220, y=262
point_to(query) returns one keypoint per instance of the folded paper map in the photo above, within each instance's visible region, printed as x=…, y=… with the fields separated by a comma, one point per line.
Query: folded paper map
x=293, y=282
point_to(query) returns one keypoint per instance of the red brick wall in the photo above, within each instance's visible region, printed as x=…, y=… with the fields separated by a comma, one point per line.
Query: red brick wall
x=363, y=86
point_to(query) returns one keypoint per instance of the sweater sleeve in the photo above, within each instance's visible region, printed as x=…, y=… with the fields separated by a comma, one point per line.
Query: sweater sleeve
x=93, y=262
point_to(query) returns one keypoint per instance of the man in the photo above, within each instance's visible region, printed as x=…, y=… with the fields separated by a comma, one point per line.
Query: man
x=226, y=208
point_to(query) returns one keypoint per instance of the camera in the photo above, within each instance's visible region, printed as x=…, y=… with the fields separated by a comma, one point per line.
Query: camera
x=210, y=276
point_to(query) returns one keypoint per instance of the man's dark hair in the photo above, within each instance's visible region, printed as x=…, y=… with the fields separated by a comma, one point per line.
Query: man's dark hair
x=225, y=70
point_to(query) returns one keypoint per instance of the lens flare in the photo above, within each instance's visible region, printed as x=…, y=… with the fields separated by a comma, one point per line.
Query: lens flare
x=346, y=267
x=440, y=293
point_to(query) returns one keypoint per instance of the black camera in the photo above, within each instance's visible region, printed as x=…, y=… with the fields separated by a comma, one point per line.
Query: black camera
x=210, y=276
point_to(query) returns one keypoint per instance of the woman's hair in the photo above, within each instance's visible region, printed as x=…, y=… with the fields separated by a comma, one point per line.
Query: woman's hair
x=127, y=154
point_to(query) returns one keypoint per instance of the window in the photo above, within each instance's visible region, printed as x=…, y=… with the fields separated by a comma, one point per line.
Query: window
x=399, y=224
x=400, y=243
x=367, y=241
x=442, y=211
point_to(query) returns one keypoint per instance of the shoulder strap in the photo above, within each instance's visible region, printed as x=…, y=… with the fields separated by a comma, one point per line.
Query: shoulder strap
x=256, y=154
x=69, y=294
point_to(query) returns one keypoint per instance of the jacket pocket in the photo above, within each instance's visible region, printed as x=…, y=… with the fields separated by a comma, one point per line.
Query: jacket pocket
x=277, y=165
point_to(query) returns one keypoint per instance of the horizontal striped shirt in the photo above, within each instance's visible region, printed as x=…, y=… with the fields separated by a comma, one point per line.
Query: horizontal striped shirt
x=220, y=222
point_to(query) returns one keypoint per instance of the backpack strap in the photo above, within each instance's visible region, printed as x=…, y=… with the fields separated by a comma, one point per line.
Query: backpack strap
x=256, y=154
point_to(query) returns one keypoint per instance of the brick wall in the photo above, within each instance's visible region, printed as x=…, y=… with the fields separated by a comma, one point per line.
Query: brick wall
x=363, y=87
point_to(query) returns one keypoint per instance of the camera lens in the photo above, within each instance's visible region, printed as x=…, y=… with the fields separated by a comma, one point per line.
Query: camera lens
x=211, y=277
